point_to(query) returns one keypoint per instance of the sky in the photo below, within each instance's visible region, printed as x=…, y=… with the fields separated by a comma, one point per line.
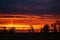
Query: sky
x=36, y=7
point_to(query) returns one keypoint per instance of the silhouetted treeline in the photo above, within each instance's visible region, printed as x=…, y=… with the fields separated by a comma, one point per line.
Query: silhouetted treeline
x=12, y=30
x=46, y=29
x=55, y=26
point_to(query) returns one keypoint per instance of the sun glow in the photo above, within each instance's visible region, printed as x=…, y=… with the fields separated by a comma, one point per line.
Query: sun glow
x=12, y=25
x=23, y=22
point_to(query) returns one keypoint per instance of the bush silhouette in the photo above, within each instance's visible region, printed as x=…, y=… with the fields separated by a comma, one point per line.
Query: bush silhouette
x=46, y=28
x=12, y=30
x=32, y=29
x=4, y=30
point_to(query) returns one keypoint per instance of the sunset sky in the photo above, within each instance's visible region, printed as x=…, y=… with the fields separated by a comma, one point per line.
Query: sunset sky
x=36, y=7
x=32, y=12
x=24, y=22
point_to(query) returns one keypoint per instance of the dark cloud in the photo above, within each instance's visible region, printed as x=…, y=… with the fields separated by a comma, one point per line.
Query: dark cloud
x=30, y=6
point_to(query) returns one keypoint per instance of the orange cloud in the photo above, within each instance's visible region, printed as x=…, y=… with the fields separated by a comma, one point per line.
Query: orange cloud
x=24, y=21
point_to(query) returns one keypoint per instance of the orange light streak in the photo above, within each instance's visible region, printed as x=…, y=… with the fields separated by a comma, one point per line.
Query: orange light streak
x=23, y=22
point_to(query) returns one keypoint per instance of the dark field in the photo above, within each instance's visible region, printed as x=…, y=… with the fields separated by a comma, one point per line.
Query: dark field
x=30, y=36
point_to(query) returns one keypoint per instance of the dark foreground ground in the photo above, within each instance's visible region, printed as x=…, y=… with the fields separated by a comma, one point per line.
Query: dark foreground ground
x=30, y=36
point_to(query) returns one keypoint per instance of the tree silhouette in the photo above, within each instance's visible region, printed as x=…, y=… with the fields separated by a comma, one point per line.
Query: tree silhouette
x=46, y=28
x=59, y=29
x=4, y=30
x=41, y=30
x=58, y=23
x=12, y=30
x=32, y=28
x=29, y=30
x=54, y=26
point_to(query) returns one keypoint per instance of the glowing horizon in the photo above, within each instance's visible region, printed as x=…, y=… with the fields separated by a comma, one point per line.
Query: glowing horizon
x=24, y=21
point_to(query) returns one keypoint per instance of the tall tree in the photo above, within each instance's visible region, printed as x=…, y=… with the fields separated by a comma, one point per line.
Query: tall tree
x=46, y=28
